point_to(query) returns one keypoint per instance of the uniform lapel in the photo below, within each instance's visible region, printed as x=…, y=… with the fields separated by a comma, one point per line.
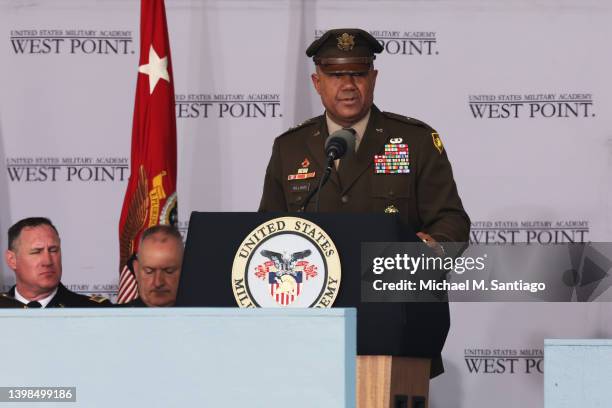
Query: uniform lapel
x=316, y=145
x=56, y=301
x=372, y=143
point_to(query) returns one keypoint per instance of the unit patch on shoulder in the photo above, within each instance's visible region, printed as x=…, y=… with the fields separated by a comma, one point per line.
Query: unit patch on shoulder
x=437, y=142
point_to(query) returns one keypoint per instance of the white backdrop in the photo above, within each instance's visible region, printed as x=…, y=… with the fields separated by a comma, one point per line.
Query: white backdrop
x=519, y=93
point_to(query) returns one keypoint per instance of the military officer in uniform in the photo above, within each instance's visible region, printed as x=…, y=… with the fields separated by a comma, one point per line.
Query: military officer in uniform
x=400, y=165
x=157, y=267
x=421, y=190
x=34, y=254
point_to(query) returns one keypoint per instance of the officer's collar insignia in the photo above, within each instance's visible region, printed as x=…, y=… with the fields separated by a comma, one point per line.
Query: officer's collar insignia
x=391, y=209
x=379, y=130
x=437, y=142
x=346, y=42
x=317, y=133
x=396, y=140
x=306, y=162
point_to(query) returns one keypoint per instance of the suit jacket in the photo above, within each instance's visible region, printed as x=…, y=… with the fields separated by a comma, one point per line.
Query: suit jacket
x=426, y=199
x=67, y=298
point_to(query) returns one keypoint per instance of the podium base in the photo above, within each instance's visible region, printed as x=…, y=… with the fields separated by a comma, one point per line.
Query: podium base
x=392, y=382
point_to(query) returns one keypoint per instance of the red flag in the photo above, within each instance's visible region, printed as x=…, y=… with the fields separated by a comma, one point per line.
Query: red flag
x=150, y=198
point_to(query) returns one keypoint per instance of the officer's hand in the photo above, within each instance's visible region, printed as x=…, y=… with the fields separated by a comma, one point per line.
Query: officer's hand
x=432, y=243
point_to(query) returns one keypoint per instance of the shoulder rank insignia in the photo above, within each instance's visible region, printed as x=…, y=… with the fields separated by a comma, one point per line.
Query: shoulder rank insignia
x=437, y=142
x=99, y=299
x=299, y=126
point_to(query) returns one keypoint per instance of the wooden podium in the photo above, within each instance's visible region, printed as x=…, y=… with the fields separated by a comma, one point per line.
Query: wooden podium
x=396, y=342
x=392, y=382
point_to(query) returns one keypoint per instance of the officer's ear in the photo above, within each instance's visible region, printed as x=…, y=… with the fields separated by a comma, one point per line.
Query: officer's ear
x=11, y=259
x=374, y=74
x=316, y=81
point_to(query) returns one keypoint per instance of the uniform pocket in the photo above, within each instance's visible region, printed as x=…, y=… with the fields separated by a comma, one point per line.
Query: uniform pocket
x=389, y=193
x=390, y=186
x=297, y=191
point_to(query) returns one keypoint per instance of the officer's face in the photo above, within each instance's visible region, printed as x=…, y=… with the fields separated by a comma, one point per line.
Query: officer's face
x=346, y=97
x=37, y=261
x=158, y=269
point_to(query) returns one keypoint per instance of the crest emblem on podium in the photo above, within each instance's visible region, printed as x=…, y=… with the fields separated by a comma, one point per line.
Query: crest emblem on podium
x=286, y=262
x=286, y=273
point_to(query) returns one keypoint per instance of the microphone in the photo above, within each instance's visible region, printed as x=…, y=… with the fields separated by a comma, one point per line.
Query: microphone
x=340, y=143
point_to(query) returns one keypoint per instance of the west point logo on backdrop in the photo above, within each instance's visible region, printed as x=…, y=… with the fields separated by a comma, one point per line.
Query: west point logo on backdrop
x=286, y=262
x=72, y=41
x=504, y=361
x=67, y=169
x=397, y=42
x=254, y=105
x=530, y=232
x=547, y=106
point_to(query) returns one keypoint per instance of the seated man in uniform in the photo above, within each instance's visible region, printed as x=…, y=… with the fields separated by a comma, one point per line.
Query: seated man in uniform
x=157, y=267
x=34, y=254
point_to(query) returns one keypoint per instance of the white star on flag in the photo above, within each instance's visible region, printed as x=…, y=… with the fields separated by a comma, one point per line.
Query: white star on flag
x=156, y=68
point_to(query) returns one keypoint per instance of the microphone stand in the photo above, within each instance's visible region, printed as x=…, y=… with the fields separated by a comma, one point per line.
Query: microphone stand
x=322, y=181
x=335, y=147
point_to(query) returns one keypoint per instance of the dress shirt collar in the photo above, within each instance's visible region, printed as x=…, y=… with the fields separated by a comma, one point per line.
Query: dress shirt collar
x=358, y=127
x=43, y=302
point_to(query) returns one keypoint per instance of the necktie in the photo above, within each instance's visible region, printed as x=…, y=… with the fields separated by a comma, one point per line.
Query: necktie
x=34, y=305
x=345, y=163
x=354, y=138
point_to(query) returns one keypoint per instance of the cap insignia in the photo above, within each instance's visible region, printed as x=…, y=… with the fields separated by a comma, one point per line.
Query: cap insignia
x=346, y=42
